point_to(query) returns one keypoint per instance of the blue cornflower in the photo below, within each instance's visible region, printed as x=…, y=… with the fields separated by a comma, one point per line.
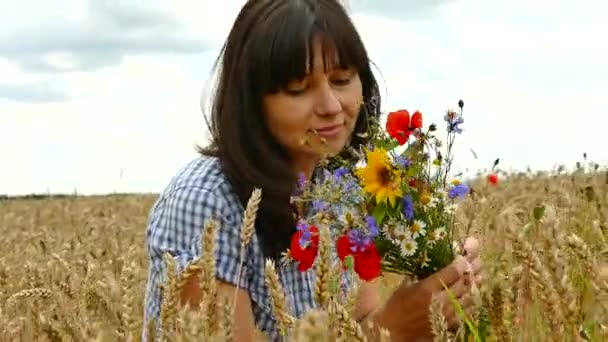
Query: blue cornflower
x=372, y=225
x=459, y=190
x=359, y=240
x=401, y=161
x=454, y=121
x=408, y=207
x=306, y=236
x=340, y=173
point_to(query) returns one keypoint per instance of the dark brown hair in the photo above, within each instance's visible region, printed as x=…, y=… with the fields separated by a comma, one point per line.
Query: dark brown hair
x=268, y=46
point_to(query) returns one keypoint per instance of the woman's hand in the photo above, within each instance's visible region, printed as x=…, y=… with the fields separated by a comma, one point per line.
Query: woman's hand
x=461, y=288
x=471, y=252
x=406, y=314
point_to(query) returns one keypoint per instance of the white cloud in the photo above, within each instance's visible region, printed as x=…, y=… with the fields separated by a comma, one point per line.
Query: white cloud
x=531, y=81
x=532, y=76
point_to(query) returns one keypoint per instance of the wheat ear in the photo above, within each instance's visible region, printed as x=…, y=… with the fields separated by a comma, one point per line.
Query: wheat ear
x=168, y=309
x=37, y=292
x=439, y=325
x=322, y=283
x=247, y=230
x=207, y=280
x=348, y=327
x=539, y=273
x=277, y=298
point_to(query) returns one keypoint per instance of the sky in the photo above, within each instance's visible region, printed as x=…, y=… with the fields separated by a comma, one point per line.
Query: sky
x=102, y=96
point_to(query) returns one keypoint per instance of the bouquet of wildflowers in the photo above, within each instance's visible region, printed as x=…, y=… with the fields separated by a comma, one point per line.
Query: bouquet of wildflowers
x=394, y=210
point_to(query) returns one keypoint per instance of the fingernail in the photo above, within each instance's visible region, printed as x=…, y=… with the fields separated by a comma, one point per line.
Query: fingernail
x=461, y=264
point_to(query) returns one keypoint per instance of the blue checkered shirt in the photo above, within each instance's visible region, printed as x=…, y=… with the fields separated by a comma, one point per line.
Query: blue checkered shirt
x=198, y=192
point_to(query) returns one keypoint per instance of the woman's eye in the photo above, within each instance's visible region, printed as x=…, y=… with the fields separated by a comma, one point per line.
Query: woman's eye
x=342, y=78
x=296, y=88
x=295, y=91
x=342, y=81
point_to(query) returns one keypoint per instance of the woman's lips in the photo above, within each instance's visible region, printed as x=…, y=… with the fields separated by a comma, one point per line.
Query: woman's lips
x=329, y=131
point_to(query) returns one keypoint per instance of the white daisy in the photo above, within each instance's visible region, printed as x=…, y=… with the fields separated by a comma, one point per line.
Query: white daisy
x=402, y=232
x=450, y=208
x=440, y=233
x=408, y=247
x=416, y=229
x=388, y=230
x=436, y=200
x=428, y=201
x=432, y=238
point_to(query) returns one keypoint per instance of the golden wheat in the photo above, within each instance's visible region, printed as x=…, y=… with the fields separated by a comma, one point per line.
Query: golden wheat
x=75, y=269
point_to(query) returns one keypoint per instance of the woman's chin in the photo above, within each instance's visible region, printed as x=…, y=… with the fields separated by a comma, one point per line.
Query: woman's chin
x=332, y=150
x=329, y=149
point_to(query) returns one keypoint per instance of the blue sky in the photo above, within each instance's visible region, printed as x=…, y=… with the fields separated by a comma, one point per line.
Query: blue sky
x=90, y=90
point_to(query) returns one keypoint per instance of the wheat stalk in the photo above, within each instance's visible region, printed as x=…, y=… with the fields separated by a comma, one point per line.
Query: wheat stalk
x=277, y=298
x=247, y=231
x=169, y=303
x=86, y=256
x=323, y=274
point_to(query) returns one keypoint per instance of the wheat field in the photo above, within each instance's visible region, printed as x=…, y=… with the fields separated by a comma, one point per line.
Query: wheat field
x=74, y=269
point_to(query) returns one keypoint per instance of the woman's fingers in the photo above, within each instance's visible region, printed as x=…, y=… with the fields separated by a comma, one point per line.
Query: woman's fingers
x=471, y=248
x=451, y=313
x=448, y=276
x=454, y=293
x=478, y=280
x=459, y=289
x=476, y=265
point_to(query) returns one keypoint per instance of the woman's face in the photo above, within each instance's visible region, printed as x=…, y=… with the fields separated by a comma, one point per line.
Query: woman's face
x=316, y=115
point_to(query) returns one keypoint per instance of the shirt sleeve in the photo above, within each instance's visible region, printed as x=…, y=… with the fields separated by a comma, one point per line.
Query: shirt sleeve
x=176, y=226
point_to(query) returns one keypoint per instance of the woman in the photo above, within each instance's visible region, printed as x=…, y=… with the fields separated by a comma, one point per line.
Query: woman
x=288, y=68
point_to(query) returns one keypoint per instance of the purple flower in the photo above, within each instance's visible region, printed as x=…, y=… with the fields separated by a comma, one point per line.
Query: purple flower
x=301, y=226
x=360, y=241
x=301, y=180
x=401, y=161
x=454, y=120
x=340, y=173
x=408, y=207
x=372, y=225
x=318, y=205
x=350, y=185
x=305, y=239
x=300, y=185
x=459, y=190
x=304, y=228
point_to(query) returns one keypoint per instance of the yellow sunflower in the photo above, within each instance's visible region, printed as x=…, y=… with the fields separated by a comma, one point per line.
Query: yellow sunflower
x=379, y=178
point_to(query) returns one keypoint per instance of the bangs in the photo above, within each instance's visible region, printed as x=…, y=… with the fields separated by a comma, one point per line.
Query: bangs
x=286, y=54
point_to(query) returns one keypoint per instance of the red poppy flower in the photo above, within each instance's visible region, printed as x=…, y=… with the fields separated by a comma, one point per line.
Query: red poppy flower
x=399, y=125
x=412, y=182
x=493, y=178
x=306, y=254
x=416, y=120
x=367, y=263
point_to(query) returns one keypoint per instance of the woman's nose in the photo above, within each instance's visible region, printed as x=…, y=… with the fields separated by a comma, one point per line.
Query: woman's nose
x=327, y=101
